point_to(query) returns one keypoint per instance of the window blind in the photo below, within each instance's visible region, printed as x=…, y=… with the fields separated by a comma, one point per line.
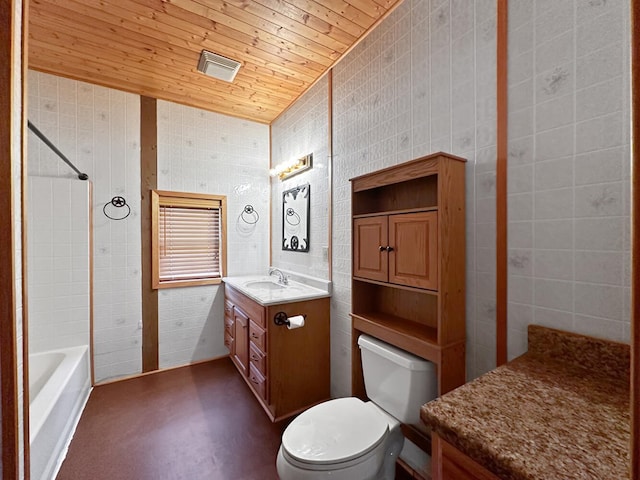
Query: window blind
x=189, y=242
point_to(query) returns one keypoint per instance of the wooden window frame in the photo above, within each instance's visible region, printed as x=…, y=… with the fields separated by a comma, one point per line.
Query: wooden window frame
x=196, y=200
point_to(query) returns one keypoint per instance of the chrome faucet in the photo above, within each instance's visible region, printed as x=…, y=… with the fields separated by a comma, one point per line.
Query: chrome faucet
x=282, y=278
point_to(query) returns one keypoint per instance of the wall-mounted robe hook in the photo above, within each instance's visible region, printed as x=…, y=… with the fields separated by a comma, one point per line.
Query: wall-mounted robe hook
x=117, y=202
x=249, y=215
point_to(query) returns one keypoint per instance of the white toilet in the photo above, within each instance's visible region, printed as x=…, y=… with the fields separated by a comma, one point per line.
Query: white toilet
x=348, y=439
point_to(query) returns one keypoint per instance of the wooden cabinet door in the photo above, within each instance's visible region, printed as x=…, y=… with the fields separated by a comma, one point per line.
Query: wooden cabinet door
x=229, y=328
x=370, y=239
x=413, y=258
x=241, y=340
x=449, y=463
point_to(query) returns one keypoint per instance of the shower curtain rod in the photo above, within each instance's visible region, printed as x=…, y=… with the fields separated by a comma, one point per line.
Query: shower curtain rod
x=41, y=136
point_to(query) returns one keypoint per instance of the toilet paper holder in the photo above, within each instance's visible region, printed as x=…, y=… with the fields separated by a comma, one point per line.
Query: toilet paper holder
x=281, y=318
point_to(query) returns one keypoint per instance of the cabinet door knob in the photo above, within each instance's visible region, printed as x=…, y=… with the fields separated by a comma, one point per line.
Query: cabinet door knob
x=381, y=248
x=389, y=249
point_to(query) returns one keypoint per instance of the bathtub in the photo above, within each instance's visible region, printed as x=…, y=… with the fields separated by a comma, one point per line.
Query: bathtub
x=59, y=386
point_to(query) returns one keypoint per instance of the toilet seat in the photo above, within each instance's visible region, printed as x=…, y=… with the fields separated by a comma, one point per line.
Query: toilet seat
x=333, y=434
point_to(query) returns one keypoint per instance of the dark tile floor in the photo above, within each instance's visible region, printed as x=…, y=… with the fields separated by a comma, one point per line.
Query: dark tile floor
x=192, y=423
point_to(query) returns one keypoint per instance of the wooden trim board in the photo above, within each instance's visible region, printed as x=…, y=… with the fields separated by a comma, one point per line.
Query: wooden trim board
x=8, y=297
x=271, y=181
x=25, y=277
x=330, y=173
x=501, y=184
x=91, y=289
x=635, y=240
x=148, y=182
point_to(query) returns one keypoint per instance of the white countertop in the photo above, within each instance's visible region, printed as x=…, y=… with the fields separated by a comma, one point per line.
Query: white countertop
x=266, y=290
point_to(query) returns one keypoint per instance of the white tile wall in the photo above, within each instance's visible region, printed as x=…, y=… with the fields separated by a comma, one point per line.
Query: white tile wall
x=204, y=152
x=301, y=130
x=569, y=70
x=58, y=252
x=98, y=129
x=422, y=81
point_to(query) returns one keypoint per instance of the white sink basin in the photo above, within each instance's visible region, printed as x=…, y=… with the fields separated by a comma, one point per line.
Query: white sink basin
x=264, y=285
x=266, y=290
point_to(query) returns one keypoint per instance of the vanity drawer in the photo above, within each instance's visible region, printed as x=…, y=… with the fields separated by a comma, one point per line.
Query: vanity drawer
x=228, y=308
x=258, y=336
x=258, y=358
x=228, y=341
x=228, y=325
x=257, y=381
x=253, y=310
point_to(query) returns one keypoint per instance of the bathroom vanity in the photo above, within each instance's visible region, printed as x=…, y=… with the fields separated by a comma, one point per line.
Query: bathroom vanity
x=559, y=411
x=288, y=370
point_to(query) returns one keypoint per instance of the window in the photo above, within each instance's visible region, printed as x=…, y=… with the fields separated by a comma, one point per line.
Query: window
x=188, y=239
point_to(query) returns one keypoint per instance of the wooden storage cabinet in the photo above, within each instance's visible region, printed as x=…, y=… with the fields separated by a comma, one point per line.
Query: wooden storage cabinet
x=408, y=284
x=400, y=249
x=287, y=370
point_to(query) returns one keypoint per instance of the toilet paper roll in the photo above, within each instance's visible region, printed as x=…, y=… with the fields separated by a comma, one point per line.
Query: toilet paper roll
x=296, y=321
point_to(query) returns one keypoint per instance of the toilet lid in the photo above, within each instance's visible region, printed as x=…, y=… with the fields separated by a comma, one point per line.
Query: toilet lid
x=334, y=431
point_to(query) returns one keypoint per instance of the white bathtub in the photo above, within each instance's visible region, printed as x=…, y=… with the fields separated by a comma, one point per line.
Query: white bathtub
x=59, y=386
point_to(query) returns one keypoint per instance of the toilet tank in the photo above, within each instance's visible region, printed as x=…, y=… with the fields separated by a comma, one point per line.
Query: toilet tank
x=397, y=381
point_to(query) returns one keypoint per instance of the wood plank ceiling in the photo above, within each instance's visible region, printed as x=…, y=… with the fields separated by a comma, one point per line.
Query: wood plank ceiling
x=152, y=47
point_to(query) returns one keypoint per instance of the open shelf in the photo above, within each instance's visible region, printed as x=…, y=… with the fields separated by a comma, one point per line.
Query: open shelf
x=395, y=285
x=411, y=336
x=417, y=193
x=396, y=212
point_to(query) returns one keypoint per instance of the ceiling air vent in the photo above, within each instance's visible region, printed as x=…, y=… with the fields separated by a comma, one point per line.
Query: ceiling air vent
x=217, y=66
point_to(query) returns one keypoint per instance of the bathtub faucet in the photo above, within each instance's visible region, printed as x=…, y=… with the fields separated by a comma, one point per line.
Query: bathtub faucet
x=282, y=278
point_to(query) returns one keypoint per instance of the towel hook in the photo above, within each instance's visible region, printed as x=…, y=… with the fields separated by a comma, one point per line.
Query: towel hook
x=117, y=202
x=249, y=215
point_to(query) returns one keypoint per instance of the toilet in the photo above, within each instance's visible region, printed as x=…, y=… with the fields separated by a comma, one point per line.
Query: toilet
x=348, y=439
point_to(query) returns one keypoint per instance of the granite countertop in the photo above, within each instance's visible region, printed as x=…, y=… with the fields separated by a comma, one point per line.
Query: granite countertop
x=561, y=411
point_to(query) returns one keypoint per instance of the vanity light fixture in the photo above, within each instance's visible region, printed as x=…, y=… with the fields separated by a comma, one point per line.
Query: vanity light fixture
x=288, y=169
x=217, y=66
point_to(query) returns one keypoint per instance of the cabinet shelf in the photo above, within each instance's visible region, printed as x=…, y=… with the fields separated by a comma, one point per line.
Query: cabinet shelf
x=398, y=286
x=419, y=339
x=396, y=212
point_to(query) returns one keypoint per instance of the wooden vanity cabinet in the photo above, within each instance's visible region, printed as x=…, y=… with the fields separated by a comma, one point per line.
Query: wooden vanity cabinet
x=287, y=370
x=449, y=463
x=408, y=283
